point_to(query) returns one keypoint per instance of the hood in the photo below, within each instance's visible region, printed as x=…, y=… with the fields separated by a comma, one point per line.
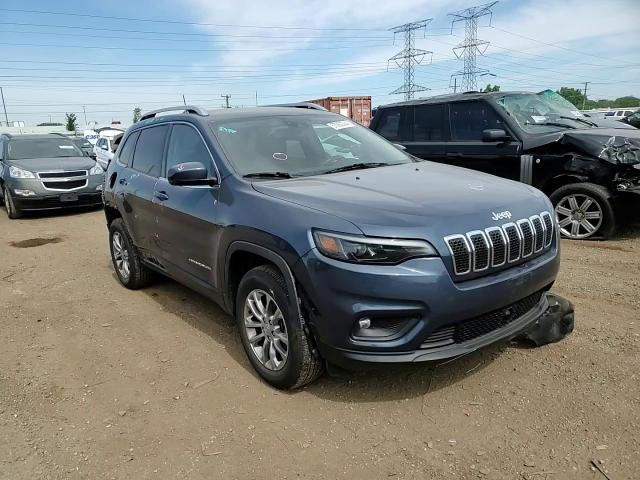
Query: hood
x=417, y=200
x=54, y=163
x=617, y=146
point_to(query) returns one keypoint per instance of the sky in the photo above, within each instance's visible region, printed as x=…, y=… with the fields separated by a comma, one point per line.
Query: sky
x=104, y=58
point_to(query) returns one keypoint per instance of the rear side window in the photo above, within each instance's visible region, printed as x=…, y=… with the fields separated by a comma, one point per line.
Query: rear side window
x=147, y=157
x=186, y=145
x=126, y=152
x=469, y=119
x=428, y=123
x=393, y=124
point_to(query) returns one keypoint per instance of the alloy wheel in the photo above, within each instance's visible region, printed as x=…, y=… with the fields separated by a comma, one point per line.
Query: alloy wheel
x=266, y=329
x=578, y=215
x=120, y=255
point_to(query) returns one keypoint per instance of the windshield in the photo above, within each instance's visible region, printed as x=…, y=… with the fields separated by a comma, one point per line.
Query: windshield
x=301, y=145
x=42, y=148
x=544, y=111
x=83, y=143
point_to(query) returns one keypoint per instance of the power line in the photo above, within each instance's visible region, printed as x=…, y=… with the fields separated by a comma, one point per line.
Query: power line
x=410, y=56
x=179, y=22
x=190, y=34
x=162, y=49
x=471, y=45
x=555, y=45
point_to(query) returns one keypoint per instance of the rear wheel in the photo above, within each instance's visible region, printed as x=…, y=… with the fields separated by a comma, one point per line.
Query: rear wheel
x=127, y=262
x=9, y=205
x=584, y=211
x=272, y=332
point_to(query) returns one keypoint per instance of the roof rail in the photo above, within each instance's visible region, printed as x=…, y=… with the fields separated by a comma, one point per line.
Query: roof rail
x=309, y=105
x=185, y=108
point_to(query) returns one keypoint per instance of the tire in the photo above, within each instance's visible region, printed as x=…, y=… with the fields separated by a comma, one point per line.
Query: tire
x=126, y=259
x=301, y=365
x=584, y=211
x=9, y=206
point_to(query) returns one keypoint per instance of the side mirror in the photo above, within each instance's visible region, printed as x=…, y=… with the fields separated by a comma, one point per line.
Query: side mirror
x=494, y=135
x=400, y=147
x=93, y=155
x=190, y=173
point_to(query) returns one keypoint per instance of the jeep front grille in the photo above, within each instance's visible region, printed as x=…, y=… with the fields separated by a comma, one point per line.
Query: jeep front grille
x=496, y=246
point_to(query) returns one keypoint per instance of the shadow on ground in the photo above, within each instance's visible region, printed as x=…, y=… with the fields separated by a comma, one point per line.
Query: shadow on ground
x=376, y=384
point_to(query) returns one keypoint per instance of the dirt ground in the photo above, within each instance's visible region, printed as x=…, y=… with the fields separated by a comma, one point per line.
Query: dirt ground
x=97, y=381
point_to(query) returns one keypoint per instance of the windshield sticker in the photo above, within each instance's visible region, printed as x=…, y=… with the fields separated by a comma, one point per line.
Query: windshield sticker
x=539, y=118
x=66, y=147
x=226, y=130
x=280, y=156
x=340, y=125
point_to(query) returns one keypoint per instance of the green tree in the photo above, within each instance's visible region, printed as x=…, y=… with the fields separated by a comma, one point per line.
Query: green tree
x=573, y=95
x=71, y=121
x=491, y=88
x=625, y=102
x=137, y=113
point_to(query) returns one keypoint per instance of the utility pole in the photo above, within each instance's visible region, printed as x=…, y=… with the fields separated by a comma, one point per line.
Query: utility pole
x=471, y=45
x=184, y=100
x=455, y=84
x=4, y=107
x=409, y=57
x=256, y=98
x=85, y=114
x=226, y=99
x=584, y=100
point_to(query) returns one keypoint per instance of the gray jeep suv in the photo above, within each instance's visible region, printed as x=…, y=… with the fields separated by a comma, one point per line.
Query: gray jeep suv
x=44, y=172
x=325, y=241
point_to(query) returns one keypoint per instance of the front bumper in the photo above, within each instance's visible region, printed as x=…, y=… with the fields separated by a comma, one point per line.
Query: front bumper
x=47, y=199
x=56, y=202
x=419, y=296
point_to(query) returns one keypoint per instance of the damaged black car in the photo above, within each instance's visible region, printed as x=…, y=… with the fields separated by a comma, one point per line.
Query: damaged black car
x=590, y=170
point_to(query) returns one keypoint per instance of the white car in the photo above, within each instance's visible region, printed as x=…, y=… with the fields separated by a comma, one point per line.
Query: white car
x=103, y=152
x=105, y=149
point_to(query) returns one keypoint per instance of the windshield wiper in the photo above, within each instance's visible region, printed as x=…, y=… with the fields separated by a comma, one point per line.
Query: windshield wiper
x=582, y=120
x=357, y=166
x=268, y=175
x=552, y=124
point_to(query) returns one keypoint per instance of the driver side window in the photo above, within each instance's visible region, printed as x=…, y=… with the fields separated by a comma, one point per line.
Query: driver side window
x=186, y=145
x=469, y=119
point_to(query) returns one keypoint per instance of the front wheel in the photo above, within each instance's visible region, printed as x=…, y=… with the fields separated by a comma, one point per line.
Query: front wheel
x=584, y=211
x=9, y=205
x=127, y=262
x=272, y=333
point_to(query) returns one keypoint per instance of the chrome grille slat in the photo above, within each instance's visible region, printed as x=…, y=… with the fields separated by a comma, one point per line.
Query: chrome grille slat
x=479, y=250
x=538, y=228
x=547, y=219
x=496, y=246
x=460, y=253
x=527, y=235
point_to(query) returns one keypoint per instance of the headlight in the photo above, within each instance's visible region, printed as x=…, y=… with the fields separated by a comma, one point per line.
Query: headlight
x=16, y=172
x=379, y=251
x=96, y=170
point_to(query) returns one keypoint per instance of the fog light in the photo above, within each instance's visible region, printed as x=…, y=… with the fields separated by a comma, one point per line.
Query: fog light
x=99, y=188
x=364, y=322
x=24, y=193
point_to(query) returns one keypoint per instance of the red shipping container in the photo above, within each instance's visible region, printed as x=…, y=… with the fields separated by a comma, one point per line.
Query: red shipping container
x=357, y=109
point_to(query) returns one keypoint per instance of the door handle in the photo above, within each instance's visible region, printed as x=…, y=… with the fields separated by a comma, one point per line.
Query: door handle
x=162, y=196
x=123, y=181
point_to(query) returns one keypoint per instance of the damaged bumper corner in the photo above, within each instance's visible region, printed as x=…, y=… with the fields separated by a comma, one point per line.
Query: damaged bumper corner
x=553, y=325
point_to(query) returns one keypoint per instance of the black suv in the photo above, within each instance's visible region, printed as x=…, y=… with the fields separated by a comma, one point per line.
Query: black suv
x=325, y=241
x=588, y=171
